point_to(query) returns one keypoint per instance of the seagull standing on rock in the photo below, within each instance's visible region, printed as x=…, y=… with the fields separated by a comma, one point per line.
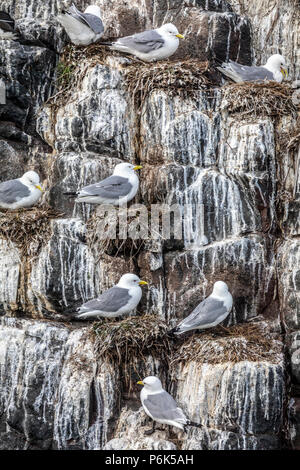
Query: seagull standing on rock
x=117, y=189
x=21, y=192
x=275, y=69
x=118, y=300
x=209, y=313
x=82, y=28
x=150, y=45
x=161, y=407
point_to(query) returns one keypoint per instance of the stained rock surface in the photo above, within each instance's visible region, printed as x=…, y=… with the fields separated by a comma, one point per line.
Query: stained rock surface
x=55, y=392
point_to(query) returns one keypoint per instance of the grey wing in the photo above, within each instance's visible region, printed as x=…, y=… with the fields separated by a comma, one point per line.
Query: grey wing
x=205, y=313
x=163, y=406
x=110, y=301
x=93, y=21
x=12, y=191
x=143, y=42
x=111, y=187
x=251, y=73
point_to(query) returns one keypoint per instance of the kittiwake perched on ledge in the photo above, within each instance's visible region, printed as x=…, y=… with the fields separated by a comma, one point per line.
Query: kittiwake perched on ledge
x=275, y=69
x=210, y=312
x=20, y=192
x=117, y=189
x=150, y=45
x=116, y=301
x=161, y=407
x=82, y=28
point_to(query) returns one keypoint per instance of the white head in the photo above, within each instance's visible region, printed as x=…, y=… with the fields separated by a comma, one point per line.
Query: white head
x=220, y=289
x=93, y=10
x=130, y=280
x=126, y=169
x=170, y=30
x=276, y=63
x=31, y=178
x=151, y=383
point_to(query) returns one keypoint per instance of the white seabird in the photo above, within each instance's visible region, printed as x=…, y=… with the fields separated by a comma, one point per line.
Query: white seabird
x=160, y=406
x=82, y=28
x=117, y=189
x=275, y=69
x=118, y=300
x=20, y=192
x=209, y=313
x=150, y=45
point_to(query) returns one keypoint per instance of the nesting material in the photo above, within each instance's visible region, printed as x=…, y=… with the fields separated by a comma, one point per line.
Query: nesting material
x=27, y=228
x=135, y=337
x=182, y=77
x=258, y=99
x=247, y=342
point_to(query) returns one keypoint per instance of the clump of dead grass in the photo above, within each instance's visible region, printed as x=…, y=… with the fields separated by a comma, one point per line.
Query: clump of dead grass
x=259, y=99
x=134, y=337
x=28, y=229
x=181, y=77
x=247, y=342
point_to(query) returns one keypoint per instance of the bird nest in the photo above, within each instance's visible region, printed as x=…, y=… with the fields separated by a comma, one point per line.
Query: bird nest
x=27, y=228
x=185, y=77
x=247, y=342
x=259, y=99
x=134, y=337
x=103, y=238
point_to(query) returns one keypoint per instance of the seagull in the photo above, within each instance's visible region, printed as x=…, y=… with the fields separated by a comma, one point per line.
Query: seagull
x=20, y=192
x=118, y=300
x=7, y=26
x=161, y=407
x=117, y=189
x=82, y=28
x=150, y=45
x=275, y=69
x=212, y=311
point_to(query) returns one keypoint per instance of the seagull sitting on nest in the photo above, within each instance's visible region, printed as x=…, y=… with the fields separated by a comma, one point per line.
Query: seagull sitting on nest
x=161, y=407
x=151, y=45
x=117, y=189
x=212, y=311
x=116, y=301
x=275, y=69
x=7, y=26
x=82, y=28
x=20, y=192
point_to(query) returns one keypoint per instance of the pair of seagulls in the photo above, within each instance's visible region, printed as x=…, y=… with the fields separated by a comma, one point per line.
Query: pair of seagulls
x=158, y=44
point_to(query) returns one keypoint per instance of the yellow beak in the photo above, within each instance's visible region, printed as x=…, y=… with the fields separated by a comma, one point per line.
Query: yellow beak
x=39, y=187
x=140, y=382
x=143, y=283
x=179, y=36
x=284, y=72
x=137, y=167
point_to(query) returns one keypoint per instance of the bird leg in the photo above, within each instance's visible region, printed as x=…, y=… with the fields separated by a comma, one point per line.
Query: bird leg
x=150, y=431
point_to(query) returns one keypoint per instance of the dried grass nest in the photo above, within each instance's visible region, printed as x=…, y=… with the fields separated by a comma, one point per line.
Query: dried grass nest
x=178, y=77
x=246, y=342
x=27, y=228
x=259, y=99
x=135, y=337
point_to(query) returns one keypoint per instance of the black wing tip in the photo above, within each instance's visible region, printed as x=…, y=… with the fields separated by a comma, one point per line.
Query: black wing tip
x=173, y=331
x=70, y=193
x=193, y=424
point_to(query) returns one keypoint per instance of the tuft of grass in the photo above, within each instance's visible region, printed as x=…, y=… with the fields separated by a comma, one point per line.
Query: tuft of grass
x=246, y=342
x=259, y=99
x=27, y=228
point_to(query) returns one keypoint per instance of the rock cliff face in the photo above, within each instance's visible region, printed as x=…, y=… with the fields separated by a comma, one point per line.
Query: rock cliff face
x=242, y=170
